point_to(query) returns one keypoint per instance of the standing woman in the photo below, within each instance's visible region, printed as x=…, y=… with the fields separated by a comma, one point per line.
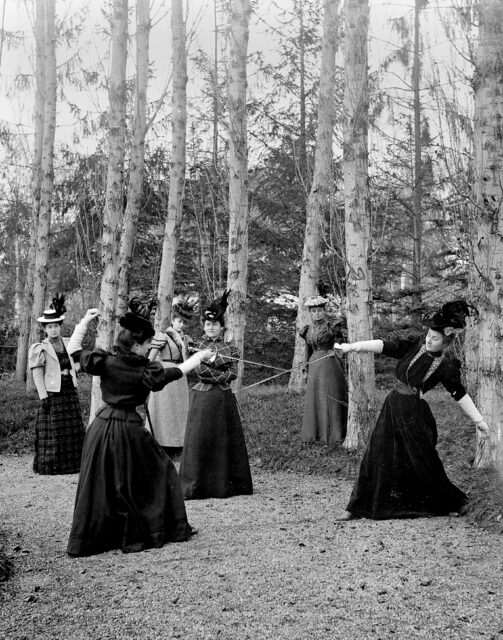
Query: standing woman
x=168, y=408
x=325, y=406
x=214, y=459
x=129, y=495
x=401, y=475
x=59, y=430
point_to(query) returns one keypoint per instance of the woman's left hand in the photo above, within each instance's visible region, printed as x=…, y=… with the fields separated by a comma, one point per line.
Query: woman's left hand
x=483, y=429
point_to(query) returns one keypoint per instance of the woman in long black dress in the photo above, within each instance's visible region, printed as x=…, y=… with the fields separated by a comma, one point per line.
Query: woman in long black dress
x=325, y=404
x=401, y=475
x=59, y=430
x=214, y=459
x=129, y=495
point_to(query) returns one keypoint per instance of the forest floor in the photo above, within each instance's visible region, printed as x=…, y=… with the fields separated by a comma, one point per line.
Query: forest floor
x=275, y=565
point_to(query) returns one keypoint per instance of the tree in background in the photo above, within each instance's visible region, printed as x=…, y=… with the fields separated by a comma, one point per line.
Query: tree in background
x=113, y=213
x=237, y=264
x=42, y=180
x=137, y=161
x=361, y=378
x=484, y=345
x=321, y=193
x=177, y=170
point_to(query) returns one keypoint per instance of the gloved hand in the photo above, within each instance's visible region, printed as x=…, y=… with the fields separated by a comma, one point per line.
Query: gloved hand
x=344, y=347
x=483, y=429
x=46, y=405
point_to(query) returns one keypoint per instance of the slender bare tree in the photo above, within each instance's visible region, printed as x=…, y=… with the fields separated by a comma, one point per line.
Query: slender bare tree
x=361, y=379
x=484, y=351
x=177, y=169
x=318, y=205
x=114, y=213
x=137, y=163
x=237, y=270
x=39, y=112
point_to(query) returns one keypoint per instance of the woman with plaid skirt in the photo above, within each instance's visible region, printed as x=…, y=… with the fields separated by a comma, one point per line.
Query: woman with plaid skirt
x=214, y=459
x=59, y=431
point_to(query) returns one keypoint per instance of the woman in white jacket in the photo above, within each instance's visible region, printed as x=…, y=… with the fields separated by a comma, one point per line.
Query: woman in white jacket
x=59, y=430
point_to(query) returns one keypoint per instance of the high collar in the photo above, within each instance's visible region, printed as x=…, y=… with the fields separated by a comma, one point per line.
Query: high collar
x=217, y=339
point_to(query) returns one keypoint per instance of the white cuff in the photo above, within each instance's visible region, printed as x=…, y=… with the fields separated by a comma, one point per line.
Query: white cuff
x=466, y=403
x=368, y=346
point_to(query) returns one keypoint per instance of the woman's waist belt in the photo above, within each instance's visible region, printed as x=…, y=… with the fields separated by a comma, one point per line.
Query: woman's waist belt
x=173, y=361
x=404, y=389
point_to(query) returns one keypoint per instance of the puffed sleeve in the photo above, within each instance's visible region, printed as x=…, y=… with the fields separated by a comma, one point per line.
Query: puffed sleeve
x=155, y=376
x=398, y=347
x=93, y=361
x=159, y=341
x=36, y=356
x=303, y=332
x=451, y=378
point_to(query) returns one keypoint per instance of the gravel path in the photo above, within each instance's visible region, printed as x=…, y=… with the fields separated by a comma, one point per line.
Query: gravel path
x=274, y=566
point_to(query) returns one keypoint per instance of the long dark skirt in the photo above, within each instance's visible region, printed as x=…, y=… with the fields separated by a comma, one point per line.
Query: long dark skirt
x=214, y=460
x=325, y=405
x=401, y=475
x=129, y=494
x=59, y=434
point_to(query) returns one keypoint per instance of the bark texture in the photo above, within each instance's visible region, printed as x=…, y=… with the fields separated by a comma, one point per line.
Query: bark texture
x=361, y=378
x=113, y=213
x=38, y=117
x=134, y=194
x=177, y=169
x=320, y=195
x=237, y=274
x=484, y=344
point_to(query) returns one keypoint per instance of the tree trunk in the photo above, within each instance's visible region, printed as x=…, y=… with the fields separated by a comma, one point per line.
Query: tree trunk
x=320, y=194
x=484, y=346
x=38, y=116
x=177, y=171
x=237, y=269
x=135, y=187
x=113, y=213
x=361, y=379
x=417, y=187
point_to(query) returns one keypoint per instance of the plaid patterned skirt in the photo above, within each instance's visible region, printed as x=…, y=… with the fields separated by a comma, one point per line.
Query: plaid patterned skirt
x=59, y=434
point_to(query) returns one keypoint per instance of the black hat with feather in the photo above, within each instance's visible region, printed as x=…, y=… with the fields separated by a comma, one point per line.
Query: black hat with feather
x=451, y=318
x=216, y=310
x=184, y=305
x=137, y=318
x=56, y=311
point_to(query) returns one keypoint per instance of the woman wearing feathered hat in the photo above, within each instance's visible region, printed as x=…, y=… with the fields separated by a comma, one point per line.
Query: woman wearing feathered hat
x=325, y=404
x=401, y=475
x=129, y=495
x=214, y=459
x=59, y=430
x=168, y=408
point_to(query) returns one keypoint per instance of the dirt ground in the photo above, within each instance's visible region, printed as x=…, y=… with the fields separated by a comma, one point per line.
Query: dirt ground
x=274, y=565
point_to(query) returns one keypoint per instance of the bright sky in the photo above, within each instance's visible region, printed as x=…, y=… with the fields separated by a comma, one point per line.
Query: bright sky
x=17, y=106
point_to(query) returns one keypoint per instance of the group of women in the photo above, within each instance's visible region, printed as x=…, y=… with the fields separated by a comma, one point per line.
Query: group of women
x=129, y=494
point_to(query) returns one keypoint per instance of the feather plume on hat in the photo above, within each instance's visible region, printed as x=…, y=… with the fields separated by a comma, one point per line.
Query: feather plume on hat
x=451, y=318
x=216, y=310
x=55, y=312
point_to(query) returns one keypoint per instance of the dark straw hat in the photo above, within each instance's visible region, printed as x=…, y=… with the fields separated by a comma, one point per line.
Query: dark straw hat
x=183, y=306
x=56, y=311
x=137, y=318
x=451, y=318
